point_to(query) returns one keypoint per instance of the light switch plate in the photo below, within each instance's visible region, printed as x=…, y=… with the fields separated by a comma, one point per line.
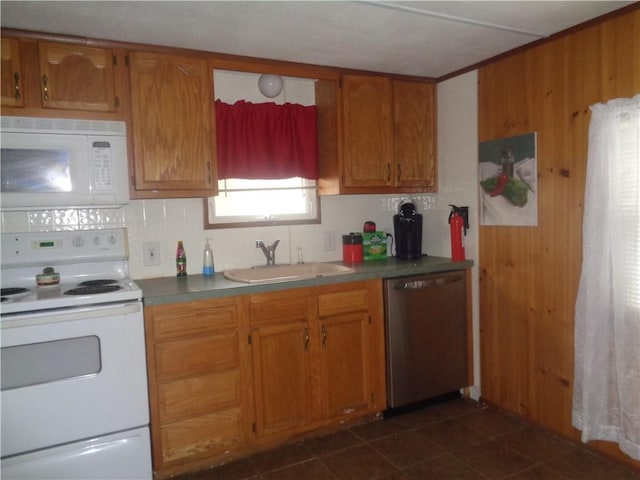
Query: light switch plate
x=151, y=254
x=329, y=241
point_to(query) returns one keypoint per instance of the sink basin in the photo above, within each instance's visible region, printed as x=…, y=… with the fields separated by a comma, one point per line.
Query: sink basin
x=282, y=273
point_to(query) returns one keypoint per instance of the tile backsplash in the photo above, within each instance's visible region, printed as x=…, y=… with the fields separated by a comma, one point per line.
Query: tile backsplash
x=167, y=221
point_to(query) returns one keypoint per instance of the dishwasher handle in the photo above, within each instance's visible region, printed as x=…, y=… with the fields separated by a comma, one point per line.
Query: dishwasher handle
x=422, y=283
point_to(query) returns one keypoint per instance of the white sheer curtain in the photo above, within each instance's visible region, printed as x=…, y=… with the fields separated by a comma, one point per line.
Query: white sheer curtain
x=606, y=396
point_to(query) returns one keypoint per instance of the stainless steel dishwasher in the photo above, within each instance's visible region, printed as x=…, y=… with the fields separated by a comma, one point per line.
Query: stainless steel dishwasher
x=426, y=336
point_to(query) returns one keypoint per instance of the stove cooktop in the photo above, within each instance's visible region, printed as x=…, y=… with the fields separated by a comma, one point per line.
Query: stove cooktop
x=92, y=266
x=67, y=296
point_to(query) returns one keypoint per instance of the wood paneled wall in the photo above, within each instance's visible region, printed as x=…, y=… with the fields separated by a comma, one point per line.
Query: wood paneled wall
x=529, y=275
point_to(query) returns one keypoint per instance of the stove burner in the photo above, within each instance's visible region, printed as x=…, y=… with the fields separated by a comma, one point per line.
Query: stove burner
x=3, y=299
x=97, y=283
x=92, y=290
x=12, y=291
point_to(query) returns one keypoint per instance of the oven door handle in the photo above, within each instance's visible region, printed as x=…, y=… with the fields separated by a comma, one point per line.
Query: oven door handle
x=69, y=315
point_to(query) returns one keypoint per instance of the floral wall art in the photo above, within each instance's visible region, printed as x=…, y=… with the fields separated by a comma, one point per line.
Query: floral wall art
x=508, y=181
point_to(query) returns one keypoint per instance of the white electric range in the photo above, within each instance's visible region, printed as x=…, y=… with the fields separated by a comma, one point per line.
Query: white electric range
x=74, y=382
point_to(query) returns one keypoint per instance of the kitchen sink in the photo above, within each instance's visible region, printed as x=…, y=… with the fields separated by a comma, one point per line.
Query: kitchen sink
x=282, y=273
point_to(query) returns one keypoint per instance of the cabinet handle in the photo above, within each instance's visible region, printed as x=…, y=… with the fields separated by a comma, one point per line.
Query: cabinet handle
x=419, y=284
x=324, y=336
x=16, y=80
x=388, y=172
x=306, y=338
x=45, y=88
x=399, y=173
x=209, y=172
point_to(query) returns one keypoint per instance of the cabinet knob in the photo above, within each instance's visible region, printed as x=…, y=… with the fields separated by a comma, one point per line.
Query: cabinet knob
x=306, y=338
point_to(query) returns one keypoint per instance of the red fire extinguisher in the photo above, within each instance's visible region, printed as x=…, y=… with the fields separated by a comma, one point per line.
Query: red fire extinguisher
x=458, y=224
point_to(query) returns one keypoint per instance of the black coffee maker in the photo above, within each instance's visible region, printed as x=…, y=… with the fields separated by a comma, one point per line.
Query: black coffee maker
x=407, y=227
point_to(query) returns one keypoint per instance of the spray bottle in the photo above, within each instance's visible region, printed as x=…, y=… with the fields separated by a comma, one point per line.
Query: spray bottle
x=207, y=260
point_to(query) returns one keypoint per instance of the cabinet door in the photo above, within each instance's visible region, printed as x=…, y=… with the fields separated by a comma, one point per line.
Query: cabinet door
x=282, y=377
x=414, y=134
x=76, y=77
x=171, y=105
x=345, y=359
x=11, y=74
x=352, y=351
x=368, y=131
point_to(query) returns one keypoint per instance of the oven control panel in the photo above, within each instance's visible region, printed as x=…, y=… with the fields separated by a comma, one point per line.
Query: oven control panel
x=64, y=246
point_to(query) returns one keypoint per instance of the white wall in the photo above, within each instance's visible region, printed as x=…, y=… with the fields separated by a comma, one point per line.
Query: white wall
x=458, y=181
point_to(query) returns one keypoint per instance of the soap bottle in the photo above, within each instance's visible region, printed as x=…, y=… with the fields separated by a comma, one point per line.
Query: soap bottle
x=181, y=260
x=207, y=260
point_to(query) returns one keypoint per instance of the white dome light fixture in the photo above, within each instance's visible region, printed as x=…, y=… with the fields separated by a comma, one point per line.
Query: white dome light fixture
x=270, y=85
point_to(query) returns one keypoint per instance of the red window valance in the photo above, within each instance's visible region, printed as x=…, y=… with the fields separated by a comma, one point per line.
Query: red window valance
x=266, y=141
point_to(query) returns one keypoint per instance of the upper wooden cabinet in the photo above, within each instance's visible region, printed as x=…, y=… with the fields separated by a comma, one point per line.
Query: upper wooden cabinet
x=368, y=131
x=414, y=135
x=388, y=135
x=173, y=126
x=76, y=77
x=376, y=133
x=57, y=76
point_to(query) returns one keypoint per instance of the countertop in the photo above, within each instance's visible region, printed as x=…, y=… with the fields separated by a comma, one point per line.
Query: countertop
x=158, y=291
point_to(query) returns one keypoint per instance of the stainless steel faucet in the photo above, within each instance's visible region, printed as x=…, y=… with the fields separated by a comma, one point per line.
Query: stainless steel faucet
x=269, y=251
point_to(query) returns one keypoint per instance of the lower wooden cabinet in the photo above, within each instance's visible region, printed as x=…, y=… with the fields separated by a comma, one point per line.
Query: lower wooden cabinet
x=317, y=356
x=233, y=375
x=197, y=383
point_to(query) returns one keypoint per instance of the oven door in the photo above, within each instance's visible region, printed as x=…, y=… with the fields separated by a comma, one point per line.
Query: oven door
x=72, y=375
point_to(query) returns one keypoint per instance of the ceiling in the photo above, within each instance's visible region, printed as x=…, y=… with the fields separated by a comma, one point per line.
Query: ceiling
x=420, y=38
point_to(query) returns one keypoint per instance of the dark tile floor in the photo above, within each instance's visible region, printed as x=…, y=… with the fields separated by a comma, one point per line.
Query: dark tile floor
x=455, y=440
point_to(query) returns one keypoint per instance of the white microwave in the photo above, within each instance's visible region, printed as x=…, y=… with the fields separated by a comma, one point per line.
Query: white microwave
x=53, y=162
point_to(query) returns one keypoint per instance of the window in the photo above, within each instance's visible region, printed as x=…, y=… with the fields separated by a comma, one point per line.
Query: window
x=606, y=395
x=263, y=202
x=265, y=139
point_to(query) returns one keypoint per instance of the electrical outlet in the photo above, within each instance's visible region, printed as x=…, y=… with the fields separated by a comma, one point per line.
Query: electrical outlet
x=151, y=254
x=329, y=241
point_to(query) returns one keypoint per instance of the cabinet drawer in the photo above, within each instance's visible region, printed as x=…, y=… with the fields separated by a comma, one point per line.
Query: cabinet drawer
x=208, y=433
x=196, y=356
x=198, y=396
x=194, y=318
x=281, y=310
x=343, y=302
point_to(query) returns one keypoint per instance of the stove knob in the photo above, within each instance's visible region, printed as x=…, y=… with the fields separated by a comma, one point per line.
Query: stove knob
x=96, y=240
x=112, y=239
